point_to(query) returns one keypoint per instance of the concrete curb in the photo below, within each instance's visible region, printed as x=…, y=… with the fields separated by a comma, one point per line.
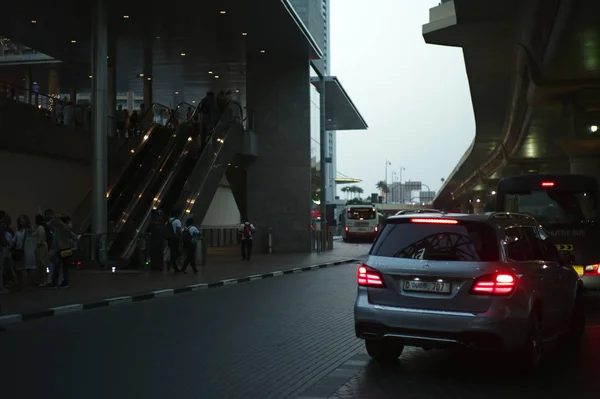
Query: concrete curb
x=68, y=309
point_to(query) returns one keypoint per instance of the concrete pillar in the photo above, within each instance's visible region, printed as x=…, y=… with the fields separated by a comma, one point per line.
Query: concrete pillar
x=99, y=127
x=29, y=84
x=148, y=42
x=73, y=95
x=587, y=166
x=112, y=86
x=53, y=81
x=279, y=195
x=130, y=101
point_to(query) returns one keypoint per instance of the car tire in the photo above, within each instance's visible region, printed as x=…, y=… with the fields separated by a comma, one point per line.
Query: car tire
x=384, y=350
x=531, y=355
x=576, y=326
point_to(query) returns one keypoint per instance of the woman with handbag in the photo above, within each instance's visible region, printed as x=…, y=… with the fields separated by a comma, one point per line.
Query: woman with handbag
x=23, y=254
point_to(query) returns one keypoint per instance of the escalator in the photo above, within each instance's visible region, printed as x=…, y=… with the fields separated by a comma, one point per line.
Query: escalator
x=158, y=169
x=127, y=182
x=194, y=180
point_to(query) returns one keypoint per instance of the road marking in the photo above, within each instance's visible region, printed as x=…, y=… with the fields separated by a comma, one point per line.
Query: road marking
x=11, y=318
x=230, y=281
x=60, y=310
x=118, y=300
x=161, y=293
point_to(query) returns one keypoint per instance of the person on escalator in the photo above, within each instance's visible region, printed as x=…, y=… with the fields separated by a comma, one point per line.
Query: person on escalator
x=173, y=237
x=209, y=116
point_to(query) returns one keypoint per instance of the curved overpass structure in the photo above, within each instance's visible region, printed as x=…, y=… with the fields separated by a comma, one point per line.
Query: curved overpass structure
x=534, y=73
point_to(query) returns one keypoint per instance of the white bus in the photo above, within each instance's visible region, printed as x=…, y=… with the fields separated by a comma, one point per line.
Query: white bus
x=360, y=221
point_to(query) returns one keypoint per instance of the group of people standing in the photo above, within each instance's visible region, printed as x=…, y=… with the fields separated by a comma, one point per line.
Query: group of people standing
x=36, y=253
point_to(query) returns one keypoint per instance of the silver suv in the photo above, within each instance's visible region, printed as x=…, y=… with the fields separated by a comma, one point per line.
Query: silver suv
x=478, y=281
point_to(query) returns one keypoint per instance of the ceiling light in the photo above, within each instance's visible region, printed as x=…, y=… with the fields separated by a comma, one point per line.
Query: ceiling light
x=158, y=37
x=149, y=78
x=216, y=76
x=140, y=75
x=73, y=41
x=125, y=16
x=262, y=51
x=176, y=92
x=244, y=33
x=223, y=12
x=90, y=76
x=593, y=128
x=210, y=72
x=193, y=101
x=33, y=21
x=237, y=90
x=183, y=54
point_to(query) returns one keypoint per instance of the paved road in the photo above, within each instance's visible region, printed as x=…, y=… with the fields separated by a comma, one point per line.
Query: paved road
x=441, y=375
x=264, y=339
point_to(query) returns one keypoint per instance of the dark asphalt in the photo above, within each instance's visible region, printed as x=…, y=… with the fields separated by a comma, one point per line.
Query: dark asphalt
x=264, y=339
x=443, y=375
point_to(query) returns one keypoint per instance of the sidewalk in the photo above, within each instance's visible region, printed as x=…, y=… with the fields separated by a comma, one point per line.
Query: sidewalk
x=90, y=286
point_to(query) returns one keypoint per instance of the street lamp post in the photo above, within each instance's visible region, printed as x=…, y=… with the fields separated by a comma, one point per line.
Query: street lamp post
x=386, y=180
x=392, y=188
x=401, y=186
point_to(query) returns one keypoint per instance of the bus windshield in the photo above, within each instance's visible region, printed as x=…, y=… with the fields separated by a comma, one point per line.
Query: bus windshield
x=554, y=206
x=361, y=213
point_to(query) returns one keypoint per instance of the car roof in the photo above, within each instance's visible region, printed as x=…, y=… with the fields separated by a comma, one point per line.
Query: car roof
x=498, y=217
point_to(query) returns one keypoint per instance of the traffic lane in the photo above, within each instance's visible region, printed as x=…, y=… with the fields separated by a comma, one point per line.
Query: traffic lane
x=473, y=375
x=265, y=339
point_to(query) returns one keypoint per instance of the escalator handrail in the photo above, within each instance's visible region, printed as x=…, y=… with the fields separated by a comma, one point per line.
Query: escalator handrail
x=191, y=202
x=158, y=198
x=166, y=184
x=176, y=112
x=148, y=178
x=85, y=224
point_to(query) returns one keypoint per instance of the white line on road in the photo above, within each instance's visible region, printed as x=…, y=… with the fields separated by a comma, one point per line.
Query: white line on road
x=229, y=282
x=197, y=287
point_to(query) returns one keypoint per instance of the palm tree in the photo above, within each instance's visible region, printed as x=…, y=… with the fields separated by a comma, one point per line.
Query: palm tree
x=383, y=188
x=345, y=190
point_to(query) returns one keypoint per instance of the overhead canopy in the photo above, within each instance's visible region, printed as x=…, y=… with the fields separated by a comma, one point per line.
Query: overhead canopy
x=340, y=111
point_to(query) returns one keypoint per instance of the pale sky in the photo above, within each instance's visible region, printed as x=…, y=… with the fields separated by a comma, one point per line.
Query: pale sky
x=414, y=96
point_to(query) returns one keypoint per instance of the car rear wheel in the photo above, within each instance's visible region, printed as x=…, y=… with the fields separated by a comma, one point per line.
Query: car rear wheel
x=384, y=350
x=532, y=352
x=576, y=321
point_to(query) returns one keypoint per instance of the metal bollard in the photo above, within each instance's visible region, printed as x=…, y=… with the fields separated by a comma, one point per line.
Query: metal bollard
x=201, y=251
x=270, y=239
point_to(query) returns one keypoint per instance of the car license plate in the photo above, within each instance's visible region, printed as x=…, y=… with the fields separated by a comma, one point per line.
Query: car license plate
x=361, y=229
x=579, y=270
x=427, y=286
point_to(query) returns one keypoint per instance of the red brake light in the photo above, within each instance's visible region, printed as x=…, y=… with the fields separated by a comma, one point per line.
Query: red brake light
x=592, y=270
x=495, y=284
x=434, y=221
x=346, y=229
x=369, y=277
x=376, y=228
x=547, y=184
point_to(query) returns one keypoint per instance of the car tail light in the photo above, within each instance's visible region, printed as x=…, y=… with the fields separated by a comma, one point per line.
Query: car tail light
x=376, y=229
x=346, y=229
x=434, y=221
x=592, y=270
x=548, y=184
x=369, y=277
x=495, y=284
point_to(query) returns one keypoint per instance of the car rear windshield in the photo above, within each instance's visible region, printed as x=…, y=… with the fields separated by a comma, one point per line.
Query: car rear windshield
x=361, y=213
x=466, y=242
